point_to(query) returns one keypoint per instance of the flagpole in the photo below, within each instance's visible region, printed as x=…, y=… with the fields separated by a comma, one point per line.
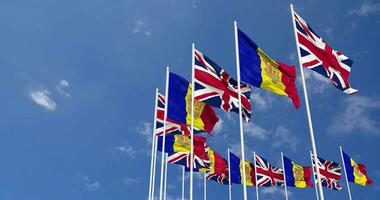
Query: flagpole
x=192, y=122
x=164, y=133
x=183, y=183
x=240, y=110
x=229, y=175
x=257, y=186
x=315, y=184
x=151, y=188
x=204, y=187
x=345, y=173
x=283, y=167
x=154, y=167
x=314, y=148
x=166, y=174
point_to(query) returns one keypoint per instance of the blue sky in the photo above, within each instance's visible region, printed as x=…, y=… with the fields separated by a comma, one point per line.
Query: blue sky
x=78, y=80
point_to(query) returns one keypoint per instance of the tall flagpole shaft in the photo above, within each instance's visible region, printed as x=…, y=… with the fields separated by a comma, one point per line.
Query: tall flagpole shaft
x=204, y=187
x=240, y=110
x=192, y=121
x=345, y=173
x=314, y=148
x=257, y=185
x=152, y=160
x=154, y=167
x=312, y=168
x=166, y=174
x=283, y=167
x=164, y=133
x=229, y=175
x=183, y=183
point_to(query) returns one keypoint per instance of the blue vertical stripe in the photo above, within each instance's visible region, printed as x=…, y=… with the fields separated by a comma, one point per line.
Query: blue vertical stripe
x=235, y=169
x=178, y=88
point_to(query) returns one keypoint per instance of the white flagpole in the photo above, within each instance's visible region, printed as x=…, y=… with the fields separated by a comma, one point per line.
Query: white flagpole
x=240, y=109
x=204, y=187
x=315, y=183
x=229, y=175
x=154, y=167
x=283, y=167
x=192, y=122
x=164, y=133
x=166, y=174
x=314, y=148
x=345, y=173
x=152, y=160
x=257, y=185
x=183, y=183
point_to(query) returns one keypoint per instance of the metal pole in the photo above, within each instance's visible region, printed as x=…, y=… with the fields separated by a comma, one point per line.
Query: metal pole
x=312, y=168
x=229, y=175
x=166, y=174
x=307, y=107
x=345, y=173
x=240, y=109
x=283, y=167
x=154, y=167
x=183, y=183
x=204, y=187
x=152, y=160
x=257, y=186
x=164, y=133
x=192, y=122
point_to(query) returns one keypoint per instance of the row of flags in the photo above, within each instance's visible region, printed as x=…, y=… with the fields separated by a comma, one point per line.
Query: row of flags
x=213, y=87
x=260, y=173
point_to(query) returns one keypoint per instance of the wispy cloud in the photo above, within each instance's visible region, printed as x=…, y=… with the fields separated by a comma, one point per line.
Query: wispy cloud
x=141, y=27
x=218, y=127
x=127, y=149
x=316, y=82
x=283, y=137
x=366, y=8
x=145, y=129
x=61, y=86
x=256, y=131
x=355, y=114
x=270, y=191
x=91, y=186
x=41, y=97
x=262, y=100
x=130, y=180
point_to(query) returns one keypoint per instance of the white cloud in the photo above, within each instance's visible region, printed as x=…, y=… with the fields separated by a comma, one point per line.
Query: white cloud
x=218, y=127
x=274, y=191
x=130, y=181
x=367, y=8
x=41, y=98
x=91, y=186
x=255, y=131
x=328, y=33
x=315, y=82
x=262, y=100
x=141, y=27
x=61, y=86
x=145, y=129
x=283, y=137
x=355, y=114
x=127, y=149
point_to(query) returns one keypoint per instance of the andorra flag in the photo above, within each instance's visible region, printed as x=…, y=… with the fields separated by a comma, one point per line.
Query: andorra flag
x=179, y=105
x=296, y=175
x=355, y=173
x=236, y=171
x=259, y=70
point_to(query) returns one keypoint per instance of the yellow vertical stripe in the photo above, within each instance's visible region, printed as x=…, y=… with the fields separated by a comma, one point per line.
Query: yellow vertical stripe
x=181, y=143
x=247, y=173
x=271, y=75
x=299, y=176
x=360, y=178
x=198, y=109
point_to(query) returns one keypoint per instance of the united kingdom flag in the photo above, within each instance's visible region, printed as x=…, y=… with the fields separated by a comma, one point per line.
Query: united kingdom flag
x=201, y=160
x=266, y=174
x=317, y=55
x=330, y=173
x=214, y=86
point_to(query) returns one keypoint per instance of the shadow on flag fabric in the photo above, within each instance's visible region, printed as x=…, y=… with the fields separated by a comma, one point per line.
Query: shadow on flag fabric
x=296, y=175
x=317, y=55
x=267, y=175
x=178, y=149
x=179, y=105
x=218, y=170
x=172, y=127
x=236, y=171
x=259, y=70
x=215, y=86
x=356, y=173
x=330, y=173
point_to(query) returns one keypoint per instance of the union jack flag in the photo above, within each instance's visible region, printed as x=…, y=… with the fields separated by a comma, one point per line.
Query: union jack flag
x=317, y=55
x=214, y=86
x=172, y=127
x=330, y=173
x=221, y=178
x=266, y=174
x=184, y=159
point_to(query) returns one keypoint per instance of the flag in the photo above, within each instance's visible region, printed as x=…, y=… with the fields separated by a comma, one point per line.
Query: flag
x=215, y=86
x=267, y=175
x=179, y=106
x=259, y=70
x=317, y=55
x=179, y=151
x=218, y=170
x=296, y=175
x=355, y=173
x=172, y=127
x=236, y=171
x=329, y=172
